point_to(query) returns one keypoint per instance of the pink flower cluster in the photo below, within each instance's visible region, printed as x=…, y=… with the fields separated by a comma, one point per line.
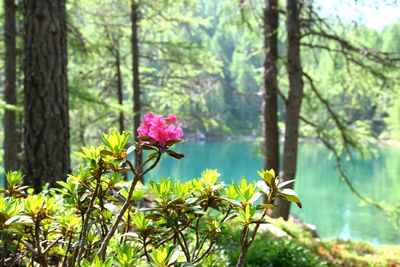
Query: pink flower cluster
x=156, y=127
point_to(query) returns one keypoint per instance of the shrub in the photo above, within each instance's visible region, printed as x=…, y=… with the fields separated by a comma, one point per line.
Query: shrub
x=94, y=219
x=267, y=251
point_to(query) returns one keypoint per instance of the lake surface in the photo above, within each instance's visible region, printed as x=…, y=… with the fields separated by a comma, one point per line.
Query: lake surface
x=327, y=201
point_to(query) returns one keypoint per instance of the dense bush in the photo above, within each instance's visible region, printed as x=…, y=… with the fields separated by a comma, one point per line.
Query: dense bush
x=96, y=218
x=281, y=252
x=268, y=251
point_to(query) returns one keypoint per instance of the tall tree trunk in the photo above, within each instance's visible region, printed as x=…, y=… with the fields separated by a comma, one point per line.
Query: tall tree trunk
x=271, y=131
x=294, y=100
x=135, y=69
x=119, y=87
x=11, y=142
x=46, y=124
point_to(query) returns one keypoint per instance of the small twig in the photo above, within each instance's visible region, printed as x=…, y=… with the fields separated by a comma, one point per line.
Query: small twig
x=196, y=237
x=85, y=226
x=244, y=242
x=334, y=116
x=11, y=260
x=146, y=253
x=66, y=252
x=3, y=254
x=51, y=245
x=103, y=247
x=40, y=255
x=206, y=253
x=201, y=245
x=30, y=248
x=185, y=247
x=226, y=216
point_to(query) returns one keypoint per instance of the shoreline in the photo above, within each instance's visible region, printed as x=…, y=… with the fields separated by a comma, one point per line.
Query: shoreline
x=252, y=138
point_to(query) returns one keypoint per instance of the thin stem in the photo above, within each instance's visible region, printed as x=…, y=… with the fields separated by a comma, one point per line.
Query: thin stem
x=146, y=253
x=40, y=255
x=183, y=245
x=51, y=245
x=244, y=242
x=30, y=248
x=226, y=215
x=103, y=247
x=66, y=252
x=11, y=260
x=126, y=229
x=196, y=238
x=85, y=226
x=3, y=256
x=201, y=245
x=206, y=253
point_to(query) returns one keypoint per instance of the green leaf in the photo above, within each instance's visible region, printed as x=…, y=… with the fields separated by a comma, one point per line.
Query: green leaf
x=268, y=177
x=174, y=257
x=290, y=195
x=19, y=219
x=265, y=206
x=230, y=217
x=233, y=202
x=151, y=156
x=130, y=149
x=263, y=187
x=191, y=200
x=174, y=154
x=13, y=178
x=285, y=183
x=149, y=147
x=106, y=152
x=124, y=170
x=131, y=234
x=144, y=138
x=173, y=142
x=111, y=207
x=254, y=198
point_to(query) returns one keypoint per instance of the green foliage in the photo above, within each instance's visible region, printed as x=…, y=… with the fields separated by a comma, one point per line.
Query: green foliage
x=164, y=256
x=269, y=251
x=126, y=255
x=96, y=218
x=393, y=119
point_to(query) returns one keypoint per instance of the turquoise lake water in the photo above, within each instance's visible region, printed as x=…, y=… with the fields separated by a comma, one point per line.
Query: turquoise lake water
x=327, y=202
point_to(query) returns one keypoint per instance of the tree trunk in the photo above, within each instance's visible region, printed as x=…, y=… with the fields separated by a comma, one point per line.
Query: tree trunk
x=135, y=69
x=11, y=142
x=271, y=131
x=46, y=124
x=119, y=87
x=294, y=101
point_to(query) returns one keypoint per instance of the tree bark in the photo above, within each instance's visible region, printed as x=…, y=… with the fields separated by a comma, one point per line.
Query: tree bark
x=119, y=87
x=46, y=124
x=271, y=131
x=11, y=142
x=295, y=96
x=135, y=69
